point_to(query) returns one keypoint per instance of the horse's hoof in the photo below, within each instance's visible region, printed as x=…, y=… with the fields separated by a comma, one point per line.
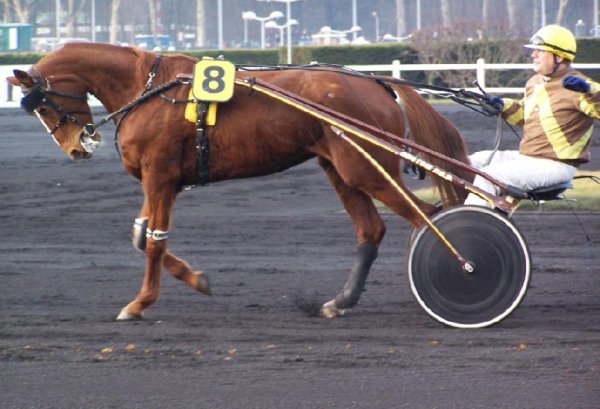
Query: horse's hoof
x=329, y=310
x=127, y=316
x=202, y=283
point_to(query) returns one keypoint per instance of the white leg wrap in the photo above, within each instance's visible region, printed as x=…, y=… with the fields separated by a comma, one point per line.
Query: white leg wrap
x=157, y=235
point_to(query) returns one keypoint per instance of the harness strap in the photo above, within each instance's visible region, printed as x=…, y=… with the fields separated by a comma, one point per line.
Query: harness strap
x=143, y=97
x=125, y=109
x=152, y=73
x=202, y=149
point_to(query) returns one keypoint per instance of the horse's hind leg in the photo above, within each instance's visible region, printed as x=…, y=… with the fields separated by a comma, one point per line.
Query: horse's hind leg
x=370, y=230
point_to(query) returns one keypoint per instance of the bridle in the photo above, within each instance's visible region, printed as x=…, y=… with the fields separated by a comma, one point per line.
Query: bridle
x=39, y=95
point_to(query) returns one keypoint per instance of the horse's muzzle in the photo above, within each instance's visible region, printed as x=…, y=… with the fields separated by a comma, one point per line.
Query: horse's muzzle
x=89, y=143
x=77, y=155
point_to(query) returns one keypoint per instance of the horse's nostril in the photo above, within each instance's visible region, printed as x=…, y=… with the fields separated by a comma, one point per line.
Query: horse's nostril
x=75, y=154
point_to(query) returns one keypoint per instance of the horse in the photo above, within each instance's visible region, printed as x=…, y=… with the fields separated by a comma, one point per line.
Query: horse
x=253, y=135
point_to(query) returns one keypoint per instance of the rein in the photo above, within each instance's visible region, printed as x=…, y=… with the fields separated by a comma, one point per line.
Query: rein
x=147, y=94
x=473, y=100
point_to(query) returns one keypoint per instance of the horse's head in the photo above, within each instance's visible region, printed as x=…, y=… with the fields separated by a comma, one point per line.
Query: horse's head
x=60, y=103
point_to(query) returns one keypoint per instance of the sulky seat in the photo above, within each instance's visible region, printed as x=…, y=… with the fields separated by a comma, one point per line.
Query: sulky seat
x=547, y=193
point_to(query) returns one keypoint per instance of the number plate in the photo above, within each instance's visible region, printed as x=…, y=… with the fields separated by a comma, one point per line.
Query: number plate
x=214, y=80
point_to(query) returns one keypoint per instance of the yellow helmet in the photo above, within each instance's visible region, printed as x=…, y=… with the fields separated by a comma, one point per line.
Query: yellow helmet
x=555, y=39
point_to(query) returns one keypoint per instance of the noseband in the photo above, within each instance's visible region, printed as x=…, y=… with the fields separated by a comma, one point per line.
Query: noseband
x=38, y=96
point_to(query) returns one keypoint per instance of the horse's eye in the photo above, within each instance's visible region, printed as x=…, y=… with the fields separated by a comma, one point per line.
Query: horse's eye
x=42, y=110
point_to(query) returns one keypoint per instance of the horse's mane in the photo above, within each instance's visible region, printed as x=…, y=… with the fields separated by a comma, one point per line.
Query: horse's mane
x=75, y=53
x=112, y=60
x=100, y=47
x=131, y=50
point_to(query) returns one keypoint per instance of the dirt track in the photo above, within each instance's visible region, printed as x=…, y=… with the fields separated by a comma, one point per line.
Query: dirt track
x=274, y=247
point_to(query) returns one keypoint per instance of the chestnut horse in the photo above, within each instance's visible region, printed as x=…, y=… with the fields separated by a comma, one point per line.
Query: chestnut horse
x=254, y=135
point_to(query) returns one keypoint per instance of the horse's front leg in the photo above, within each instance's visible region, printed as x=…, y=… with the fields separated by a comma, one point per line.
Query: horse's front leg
x=181, y=270
x=159, y=197
x=177, y=267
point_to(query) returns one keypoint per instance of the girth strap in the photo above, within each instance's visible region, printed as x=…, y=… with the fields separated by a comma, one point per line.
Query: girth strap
x=202, y=150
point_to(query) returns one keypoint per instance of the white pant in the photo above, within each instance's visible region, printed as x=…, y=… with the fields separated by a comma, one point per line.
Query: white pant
x=522, y=171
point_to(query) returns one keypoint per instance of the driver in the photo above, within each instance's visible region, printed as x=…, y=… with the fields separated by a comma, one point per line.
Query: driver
x=556, y=113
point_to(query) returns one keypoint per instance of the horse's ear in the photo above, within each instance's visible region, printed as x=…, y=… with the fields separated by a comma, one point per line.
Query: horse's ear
x=21, y=78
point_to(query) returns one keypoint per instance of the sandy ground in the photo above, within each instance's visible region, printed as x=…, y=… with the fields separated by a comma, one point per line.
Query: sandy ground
x=274, y=247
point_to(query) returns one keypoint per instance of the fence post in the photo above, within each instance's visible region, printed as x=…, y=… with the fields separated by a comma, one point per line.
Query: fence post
x=9, y=92
x=481, y=72
x=396, y=72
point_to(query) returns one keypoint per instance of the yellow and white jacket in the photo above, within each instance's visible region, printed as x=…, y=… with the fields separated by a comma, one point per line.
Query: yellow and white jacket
x=557, y=123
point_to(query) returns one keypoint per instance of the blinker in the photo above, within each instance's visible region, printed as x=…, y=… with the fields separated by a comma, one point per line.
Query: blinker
x=33, y=99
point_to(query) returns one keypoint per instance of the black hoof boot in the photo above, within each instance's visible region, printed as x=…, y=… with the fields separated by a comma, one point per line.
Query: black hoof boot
x=367, y=253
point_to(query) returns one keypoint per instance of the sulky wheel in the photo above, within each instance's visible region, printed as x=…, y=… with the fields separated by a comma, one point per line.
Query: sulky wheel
x=458, y=298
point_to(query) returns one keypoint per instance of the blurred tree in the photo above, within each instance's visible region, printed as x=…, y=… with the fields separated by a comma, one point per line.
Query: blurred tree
x=560, y=14
x=514, y=11
x=484, y=17
x=5, y=11
x=446, y=16
x=200, y=24
x=152, y=12
x=400, y=18
x=535, y=18
x=448, y=45
x=74, y=8
x=114, y=21
x=21, y=9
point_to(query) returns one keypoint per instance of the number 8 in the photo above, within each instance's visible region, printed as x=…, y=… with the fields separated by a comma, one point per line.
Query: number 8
x=213, y=82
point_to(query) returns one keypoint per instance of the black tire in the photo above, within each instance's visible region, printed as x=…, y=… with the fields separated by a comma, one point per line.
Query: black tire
x=492, y=291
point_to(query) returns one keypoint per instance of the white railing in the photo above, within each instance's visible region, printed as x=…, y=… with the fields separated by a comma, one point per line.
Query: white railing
x=480, y=67
x=10, y=96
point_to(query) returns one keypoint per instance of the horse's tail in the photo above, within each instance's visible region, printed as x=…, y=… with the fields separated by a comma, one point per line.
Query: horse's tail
x=430, y=129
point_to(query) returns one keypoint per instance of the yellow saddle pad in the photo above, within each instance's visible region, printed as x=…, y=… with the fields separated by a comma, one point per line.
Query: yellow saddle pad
x=191, y=111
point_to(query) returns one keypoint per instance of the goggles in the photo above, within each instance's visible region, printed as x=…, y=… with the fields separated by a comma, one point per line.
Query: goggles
x=537, y=41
